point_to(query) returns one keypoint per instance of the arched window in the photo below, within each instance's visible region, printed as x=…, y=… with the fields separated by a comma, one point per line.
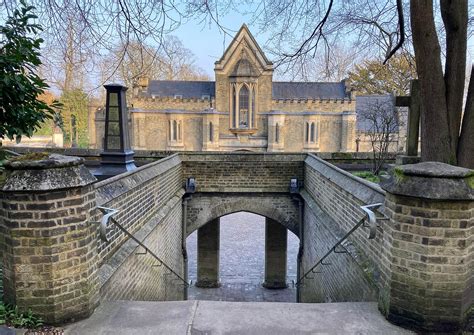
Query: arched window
x=306, y=132
x=253, y=109
x=211, y=132
x=312, y=132
x=234, y=107
x=170, y=130
x=175, y=130
x=244, y=107
x=277, y=133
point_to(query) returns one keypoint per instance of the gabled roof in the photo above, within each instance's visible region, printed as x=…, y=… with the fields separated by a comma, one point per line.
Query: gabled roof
x=186, y=89
x=309, y=90
x=244, y=36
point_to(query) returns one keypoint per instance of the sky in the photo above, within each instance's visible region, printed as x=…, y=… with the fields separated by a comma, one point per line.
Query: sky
x=208, y=43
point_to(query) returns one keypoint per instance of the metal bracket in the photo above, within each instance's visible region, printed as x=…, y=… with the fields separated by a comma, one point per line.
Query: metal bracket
x=340, y=251
x=108, y=212
x=372, y=219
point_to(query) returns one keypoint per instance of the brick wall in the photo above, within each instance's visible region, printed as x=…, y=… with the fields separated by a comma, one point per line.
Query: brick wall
x=432, y=242
x=47, y=240
x=35, y=238
x=148, y=200
x=247, y=172
x=428, y=243
x=332, y=199
x=139, y=276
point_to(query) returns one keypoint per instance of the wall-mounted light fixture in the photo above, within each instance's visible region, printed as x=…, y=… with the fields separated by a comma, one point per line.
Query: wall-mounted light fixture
x=294, y=187
x=191, y=185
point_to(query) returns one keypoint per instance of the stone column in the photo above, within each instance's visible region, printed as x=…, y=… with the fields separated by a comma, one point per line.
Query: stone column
x=48, y=243
x=428, y=261
x=276, y=237
x=208, y=255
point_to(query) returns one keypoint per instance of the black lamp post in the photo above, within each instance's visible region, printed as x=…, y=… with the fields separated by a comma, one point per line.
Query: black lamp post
x=117, y=156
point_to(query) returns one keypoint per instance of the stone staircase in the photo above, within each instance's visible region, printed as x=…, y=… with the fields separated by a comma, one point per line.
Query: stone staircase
x=219, y=317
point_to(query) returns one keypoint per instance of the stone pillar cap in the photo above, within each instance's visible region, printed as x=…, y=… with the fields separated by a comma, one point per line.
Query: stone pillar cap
x=435, y=170
x=431, y=180
x=40, y=161
x=46, y=172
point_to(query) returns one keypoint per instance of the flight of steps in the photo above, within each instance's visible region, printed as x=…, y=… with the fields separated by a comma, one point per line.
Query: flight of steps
x=220, y=317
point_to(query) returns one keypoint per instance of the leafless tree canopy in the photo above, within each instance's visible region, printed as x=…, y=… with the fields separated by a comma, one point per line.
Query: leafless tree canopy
x=298, y=30
x=381, y=124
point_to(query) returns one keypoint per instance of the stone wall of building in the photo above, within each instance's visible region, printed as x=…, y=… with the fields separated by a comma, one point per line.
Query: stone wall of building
x=305, y=105
x=332, y=207
x=149, y=204
x=171, y=103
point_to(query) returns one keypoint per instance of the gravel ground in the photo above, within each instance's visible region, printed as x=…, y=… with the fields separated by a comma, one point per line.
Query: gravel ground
x=242, y=250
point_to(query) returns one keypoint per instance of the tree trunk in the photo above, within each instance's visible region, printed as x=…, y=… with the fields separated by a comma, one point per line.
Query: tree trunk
x=454, y=14
x=466, y=140
x=435, y=144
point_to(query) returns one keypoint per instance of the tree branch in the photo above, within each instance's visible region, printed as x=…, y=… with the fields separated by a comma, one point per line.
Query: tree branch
x=401, y=22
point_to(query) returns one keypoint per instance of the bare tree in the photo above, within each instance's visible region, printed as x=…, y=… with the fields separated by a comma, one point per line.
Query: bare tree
x=298, y=28
x=384, y=27
x=332, y=64
x=380, y=123
x=170, y=62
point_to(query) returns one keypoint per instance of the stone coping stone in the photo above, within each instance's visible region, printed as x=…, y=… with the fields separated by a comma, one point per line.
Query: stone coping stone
x=431, y=180
x=51, y=162
x=436, y=170
x=54, y=173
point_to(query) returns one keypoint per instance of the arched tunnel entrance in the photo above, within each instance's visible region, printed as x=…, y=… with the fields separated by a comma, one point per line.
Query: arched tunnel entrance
x=242, y=256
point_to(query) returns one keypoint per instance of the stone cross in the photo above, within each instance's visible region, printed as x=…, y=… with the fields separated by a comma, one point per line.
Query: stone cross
x=413, y=102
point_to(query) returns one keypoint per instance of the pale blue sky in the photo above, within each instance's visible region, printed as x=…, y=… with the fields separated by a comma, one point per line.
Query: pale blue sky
x=208, y=43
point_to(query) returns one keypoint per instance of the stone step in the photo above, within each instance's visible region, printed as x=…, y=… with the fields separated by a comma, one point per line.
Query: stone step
x=221, y=317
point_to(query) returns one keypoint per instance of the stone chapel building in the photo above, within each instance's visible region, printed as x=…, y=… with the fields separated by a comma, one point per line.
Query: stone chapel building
x=243, y=109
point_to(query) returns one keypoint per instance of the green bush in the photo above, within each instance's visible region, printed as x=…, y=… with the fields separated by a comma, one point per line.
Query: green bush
x=21, y=111
x=368, y=175
x=12, y=316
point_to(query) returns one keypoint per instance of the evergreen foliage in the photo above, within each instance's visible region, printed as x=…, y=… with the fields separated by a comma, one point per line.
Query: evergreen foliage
x=21, y=112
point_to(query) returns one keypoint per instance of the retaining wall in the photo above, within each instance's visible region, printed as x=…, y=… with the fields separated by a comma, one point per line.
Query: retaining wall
x=149, y=204
x=332, y=199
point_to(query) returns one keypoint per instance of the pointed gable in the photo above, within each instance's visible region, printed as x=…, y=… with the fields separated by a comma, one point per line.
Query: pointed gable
x=241, y=53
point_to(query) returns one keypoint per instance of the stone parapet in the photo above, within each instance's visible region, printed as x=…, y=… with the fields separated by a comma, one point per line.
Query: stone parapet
x=428, y=246
x=49, y=245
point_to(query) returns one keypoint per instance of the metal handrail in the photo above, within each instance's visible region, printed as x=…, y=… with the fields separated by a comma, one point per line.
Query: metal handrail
x=372, y=225
x=108, y=212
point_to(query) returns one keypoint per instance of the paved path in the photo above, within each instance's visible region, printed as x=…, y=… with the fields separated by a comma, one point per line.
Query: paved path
x=217, y=317
x=242, y=253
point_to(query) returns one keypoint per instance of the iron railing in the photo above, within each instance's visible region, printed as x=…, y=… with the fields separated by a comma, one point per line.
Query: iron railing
x=370, y=221
x=108, y=213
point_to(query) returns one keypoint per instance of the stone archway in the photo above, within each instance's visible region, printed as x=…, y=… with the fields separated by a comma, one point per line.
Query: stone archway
x=204, y=208
x=281, y=214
